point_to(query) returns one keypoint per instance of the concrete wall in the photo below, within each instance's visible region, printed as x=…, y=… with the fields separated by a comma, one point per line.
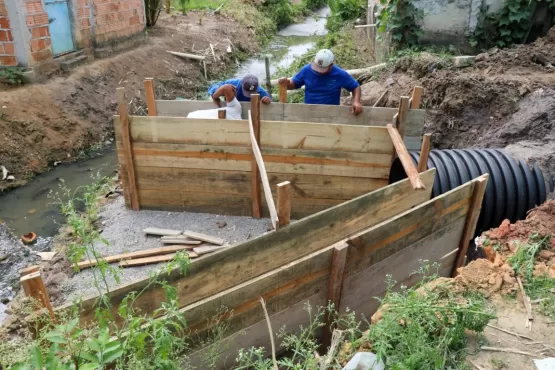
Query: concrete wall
x=95, y=22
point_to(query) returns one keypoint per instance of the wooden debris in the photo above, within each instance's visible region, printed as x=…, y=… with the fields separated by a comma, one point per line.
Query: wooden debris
x=527, y=304
x=46, y=256
x=29, y=270
x=381, y=99
x=180, y=239
x=508, y=350
x=138, y=254
x=404, y=156
x=365, y=25
x=509, y=332
x=33, y=286
x=185, y=55
x=162, y=232
x=151, y=260
x=476, y=365
x=204, y=237
x=207, y=249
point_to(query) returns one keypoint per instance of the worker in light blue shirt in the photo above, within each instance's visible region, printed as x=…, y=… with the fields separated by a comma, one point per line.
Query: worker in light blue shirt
x=323, y=81
x=244, y=87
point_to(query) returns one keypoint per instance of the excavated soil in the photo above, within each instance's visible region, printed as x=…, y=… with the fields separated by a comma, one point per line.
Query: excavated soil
x=54, y=121
x=505, y=99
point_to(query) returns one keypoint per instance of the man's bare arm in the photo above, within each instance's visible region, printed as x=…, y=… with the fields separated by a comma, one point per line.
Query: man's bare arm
x=228, y=91
x=357, y=107
x=290, y=84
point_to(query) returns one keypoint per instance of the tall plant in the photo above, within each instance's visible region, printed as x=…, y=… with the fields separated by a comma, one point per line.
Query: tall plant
x=400, y=18
x=152, y=11
x=343, y=11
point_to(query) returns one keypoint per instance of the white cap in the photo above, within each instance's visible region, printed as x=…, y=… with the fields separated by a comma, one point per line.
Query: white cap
x=324, y=58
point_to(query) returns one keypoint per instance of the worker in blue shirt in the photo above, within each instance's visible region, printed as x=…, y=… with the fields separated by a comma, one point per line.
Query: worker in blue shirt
x=245, y=88
x=323, y=82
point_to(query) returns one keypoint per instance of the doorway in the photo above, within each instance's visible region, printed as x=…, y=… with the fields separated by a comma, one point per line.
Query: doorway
x=59, y=24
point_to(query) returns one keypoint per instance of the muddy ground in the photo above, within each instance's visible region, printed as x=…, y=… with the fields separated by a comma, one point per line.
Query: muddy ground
x=56, y=120
x=505, y=99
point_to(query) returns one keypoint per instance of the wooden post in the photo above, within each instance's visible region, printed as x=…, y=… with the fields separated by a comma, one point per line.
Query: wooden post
x=127, y=148
x=33, y=286
x=150, y=96
x=284, y=194
x=268, y=75
x=404, y=156
x=416, y=98
x=255, y=171
x=29, y=270
x=222, y=113
x=403, y=114
x=282, y=93
x=335, y=286
x=480, y=185
x=424, y=153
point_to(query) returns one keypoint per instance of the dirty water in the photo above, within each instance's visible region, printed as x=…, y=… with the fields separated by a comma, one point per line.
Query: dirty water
x=291, y=42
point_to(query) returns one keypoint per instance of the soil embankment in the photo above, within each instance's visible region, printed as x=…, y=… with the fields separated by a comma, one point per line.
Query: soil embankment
x=55, y=121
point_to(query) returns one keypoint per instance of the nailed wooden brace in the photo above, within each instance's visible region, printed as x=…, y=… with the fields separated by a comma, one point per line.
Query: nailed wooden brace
x=284, y=195
x=283, y=93
x=127, y=148
x=335, y=287
x=424, y=153
x=480, y=185
x=150, y=97
x=33, y=286
x=402, y=115
x=254, y=119
x=222, y=113
x=404, y=156
x=416, y=97
x=263, y=175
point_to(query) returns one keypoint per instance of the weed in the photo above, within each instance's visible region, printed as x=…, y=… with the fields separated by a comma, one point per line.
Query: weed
x=400, y=17
x=425, y=329
x=344, y=11
x=523, y=261
x=12, y=75
x=498, y=364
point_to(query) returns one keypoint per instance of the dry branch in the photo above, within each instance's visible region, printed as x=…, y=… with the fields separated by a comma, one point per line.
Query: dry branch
x=510, y=332
x=509, y=350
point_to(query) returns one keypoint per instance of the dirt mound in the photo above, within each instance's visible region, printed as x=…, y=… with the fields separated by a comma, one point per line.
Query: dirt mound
x=505, y=99
x=54, y=121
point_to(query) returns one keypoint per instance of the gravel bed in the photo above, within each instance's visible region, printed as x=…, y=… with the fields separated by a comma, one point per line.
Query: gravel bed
x=123, y=229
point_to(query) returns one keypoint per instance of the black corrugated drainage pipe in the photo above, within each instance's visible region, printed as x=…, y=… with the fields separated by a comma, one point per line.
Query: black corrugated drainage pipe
x=513, y=187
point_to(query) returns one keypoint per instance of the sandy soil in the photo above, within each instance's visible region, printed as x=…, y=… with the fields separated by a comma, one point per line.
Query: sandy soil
x=44, y=123
x=123, y=230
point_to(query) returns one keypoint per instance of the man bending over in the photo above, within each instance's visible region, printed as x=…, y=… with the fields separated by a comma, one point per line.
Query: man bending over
x=232, y=109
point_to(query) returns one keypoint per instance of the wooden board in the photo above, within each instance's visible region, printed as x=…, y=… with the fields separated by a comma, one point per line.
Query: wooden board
x=161, y=232
x=151, y=260
x=287, y=135
x=204, y=237
x=304, y=113
x=245, y=261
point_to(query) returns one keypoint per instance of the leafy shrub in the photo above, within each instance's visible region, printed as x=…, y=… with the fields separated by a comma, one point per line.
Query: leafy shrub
x=152, y=11
x=12, y=75
x=400, y=18
x=343, y=11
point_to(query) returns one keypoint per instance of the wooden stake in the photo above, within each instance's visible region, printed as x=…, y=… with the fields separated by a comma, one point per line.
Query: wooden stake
x=150, y=96
x=284, y=194
x=29, y=270
x=335, y=286
x=264, y=176
x=424, y=153
x=222, y=113
x=404, y=156
x=282, y=93
x=33, y=286
x=381, y=99
x=365, y=25
x=416, y=97
x=403, y=114
x=471, y=220
x=527, y=304
x=127, y=148
x=255, y=172
x=268, y=75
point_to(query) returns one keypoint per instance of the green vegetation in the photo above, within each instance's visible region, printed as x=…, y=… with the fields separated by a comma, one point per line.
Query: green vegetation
x=152, y=11
x=343, y=12
x=12, y=75
x=508, y=26
x=400, y=18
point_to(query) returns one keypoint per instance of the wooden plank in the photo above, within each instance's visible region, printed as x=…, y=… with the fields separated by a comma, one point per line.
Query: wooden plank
x=377, y=243
x=161, y=232
x=416, y=97
x=334, y=288
x=403, y=115
x=29, y=270
x=303, y=207
x=360, y=289
x=471, y=221
x=132, y=255
x=204, y=237
x=33, y=286
x=239, y=263
x=264, y=178
x=207, y=249
x=124, y=128
x=254, y=129
x=222, y=114
x=151, y=260
x=284, y=195
x=282, y=93
x=404, y=156
x=150, y=97
x=381, y=99
x=180, y=241
x=424, y=153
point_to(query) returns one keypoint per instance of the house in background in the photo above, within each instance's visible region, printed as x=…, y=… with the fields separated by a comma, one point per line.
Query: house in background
x=42, y=34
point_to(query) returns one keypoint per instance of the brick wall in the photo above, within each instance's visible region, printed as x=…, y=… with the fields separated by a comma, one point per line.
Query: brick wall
x=37, y=22
x=84, y=35
x=7, y=46
x=117, y=18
